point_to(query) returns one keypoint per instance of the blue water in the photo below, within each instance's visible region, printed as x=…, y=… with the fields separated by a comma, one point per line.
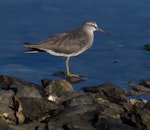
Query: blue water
x=117, y=58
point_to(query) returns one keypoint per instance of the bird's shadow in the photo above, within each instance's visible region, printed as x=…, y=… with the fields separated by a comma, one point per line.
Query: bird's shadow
x=72, y=79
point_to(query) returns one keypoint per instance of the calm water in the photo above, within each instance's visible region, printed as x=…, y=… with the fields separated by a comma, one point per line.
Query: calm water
x=117, y=58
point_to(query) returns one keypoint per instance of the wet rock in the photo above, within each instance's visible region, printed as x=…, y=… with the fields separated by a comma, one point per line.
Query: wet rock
x=137, y=89
x=108, y=91
x=20, y=87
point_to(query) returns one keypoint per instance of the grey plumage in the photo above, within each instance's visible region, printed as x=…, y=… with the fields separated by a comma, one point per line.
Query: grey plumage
x=69, y=43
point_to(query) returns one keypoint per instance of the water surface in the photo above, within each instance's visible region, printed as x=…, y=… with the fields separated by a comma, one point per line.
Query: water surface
x=117, y=58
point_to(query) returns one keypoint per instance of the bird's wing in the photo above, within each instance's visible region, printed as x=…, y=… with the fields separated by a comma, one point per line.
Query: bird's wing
x=67, y=42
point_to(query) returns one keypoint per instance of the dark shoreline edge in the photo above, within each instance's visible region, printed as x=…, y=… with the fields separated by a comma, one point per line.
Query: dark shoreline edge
x=57, y=106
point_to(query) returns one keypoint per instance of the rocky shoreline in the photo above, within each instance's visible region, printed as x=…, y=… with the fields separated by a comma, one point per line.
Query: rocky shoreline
x=57, y=106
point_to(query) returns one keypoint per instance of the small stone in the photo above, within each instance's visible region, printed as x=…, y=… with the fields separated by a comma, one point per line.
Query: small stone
x=56, y=87
x=75, y=79
x=60, y=74
x=147, y=47
x=72, y=79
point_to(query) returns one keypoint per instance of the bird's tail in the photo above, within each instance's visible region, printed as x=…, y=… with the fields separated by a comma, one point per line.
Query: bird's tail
x=27, y=44
x=31, y=48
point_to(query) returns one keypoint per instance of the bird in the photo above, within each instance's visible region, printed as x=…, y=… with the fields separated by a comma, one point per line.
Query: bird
x=68, y=43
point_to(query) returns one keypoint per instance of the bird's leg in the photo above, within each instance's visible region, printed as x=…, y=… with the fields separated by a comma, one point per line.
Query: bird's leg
x=67, y=69
x=67, y=66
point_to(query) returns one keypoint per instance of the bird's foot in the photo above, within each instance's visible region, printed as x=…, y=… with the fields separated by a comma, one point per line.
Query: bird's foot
x=70, y=75
x=73, y=78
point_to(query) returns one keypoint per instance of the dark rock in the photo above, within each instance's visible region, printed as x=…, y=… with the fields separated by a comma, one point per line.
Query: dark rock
x=56, y=87
x=142, y=115
x=108, y=91
x=79, y=125
x=21, y=88
x=7, y=114
x=24, y=106
x=3, y=125
x=127, y=106
x=137, y=89
x=54, y=126
x=110, y=110
x=139, y=115
x=29, y=126
x=84, y=98
x=132, y=93
x=76, y=117
x=147, y=47
x=112, y=125
x=72, y=79
x=147, y=105
x=145, y=82
x=69, y=95
x=36, y=109
x=70, y=114
x=6, y=97
x=6, y=104
x=60, y=74
x=75, y=79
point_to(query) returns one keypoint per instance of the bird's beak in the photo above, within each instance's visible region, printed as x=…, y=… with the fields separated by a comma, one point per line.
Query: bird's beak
x=100, y=30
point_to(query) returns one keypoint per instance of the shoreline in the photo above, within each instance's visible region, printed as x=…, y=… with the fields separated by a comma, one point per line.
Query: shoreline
x=57, y=106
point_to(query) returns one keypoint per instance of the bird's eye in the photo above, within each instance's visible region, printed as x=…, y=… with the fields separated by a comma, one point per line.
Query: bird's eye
x=93, y=25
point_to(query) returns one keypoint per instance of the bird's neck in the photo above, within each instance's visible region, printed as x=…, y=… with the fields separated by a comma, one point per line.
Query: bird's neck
x=90, y=36
x=88, y=31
